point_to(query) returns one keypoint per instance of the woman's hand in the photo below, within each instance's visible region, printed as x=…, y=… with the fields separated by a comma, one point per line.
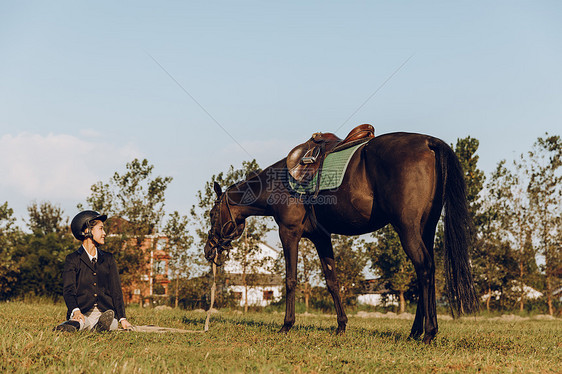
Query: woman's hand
x=126, y=325
x=78, y=316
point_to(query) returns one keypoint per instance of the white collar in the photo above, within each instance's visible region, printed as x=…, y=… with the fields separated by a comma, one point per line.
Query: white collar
x=90, y=256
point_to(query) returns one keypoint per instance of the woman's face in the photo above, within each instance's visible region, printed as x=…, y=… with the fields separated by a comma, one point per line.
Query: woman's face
x=98, y=233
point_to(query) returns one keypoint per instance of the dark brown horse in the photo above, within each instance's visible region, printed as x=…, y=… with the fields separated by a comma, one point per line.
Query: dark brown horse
x=401, y=178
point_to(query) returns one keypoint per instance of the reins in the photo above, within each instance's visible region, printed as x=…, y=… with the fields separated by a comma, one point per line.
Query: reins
x=213, y=290
x=223, y=242
x=231, y=221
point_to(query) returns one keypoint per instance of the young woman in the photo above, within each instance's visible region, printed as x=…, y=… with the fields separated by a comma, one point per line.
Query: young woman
x=92, y=289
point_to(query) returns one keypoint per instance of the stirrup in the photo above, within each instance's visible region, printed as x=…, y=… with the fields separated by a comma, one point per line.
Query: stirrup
x=310, y=156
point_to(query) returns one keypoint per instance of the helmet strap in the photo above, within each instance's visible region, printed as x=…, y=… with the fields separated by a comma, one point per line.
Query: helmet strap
x=88, y=233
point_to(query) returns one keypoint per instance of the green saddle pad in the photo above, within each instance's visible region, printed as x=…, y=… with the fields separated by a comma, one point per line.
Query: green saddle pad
x=333, y=171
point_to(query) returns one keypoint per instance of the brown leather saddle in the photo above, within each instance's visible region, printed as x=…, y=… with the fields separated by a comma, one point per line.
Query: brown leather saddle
x=306, y=159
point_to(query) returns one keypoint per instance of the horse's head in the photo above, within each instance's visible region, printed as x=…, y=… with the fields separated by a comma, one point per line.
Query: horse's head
x=224, y=228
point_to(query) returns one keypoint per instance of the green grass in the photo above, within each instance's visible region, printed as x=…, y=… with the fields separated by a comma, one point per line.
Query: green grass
x=250, y=343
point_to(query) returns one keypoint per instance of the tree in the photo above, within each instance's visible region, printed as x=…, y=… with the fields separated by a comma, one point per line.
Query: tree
x=466, y=149
x=41, y=254
x=508, y=226
x=136, y=201
x=391, y=263
x=46, y=218
x=179, y=244
x=9, y=237
x=309, y=268
x=350, y=259
x=545, y=190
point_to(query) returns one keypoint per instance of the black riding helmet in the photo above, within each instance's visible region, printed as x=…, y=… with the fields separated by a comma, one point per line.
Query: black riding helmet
x=82, y=221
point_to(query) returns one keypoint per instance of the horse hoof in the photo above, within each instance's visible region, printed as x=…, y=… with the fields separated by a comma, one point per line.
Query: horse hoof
x=414, y=336
x=428, y=339
x=284, y=330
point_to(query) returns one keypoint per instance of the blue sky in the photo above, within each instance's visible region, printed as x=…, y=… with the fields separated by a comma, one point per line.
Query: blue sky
x=81, y=94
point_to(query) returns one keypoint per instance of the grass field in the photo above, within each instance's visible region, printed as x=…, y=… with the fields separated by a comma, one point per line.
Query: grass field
x=249, y=343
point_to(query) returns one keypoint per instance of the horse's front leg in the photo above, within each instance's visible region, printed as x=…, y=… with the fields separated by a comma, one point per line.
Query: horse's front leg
x=290, y=241
x=323, y=245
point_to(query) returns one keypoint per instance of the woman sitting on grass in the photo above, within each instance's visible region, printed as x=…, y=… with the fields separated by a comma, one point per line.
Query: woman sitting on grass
x=92, y=290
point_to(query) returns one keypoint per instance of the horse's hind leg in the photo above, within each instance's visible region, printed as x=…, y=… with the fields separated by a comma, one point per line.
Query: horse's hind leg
x=422, y=258
x=417, y=327
x=428, y=240
x=323, y=245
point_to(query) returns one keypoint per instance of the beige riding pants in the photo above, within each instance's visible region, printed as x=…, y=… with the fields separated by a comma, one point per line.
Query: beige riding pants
x=92, y=317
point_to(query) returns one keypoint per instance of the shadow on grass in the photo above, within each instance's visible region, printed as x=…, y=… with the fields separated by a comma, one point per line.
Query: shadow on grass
x=219, y=319
x=275, y=326
x=395, y=336
x=391, y=335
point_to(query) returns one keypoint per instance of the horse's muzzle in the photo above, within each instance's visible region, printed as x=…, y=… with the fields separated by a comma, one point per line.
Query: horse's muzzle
x=210, y=252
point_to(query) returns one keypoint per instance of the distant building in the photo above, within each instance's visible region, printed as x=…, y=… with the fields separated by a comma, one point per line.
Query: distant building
x=153, y=281
x=373, y=293
x=265, y=287
x=529, y=292
x=557, y=293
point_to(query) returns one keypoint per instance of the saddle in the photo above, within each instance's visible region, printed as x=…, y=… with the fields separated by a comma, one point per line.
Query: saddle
x=306, y=159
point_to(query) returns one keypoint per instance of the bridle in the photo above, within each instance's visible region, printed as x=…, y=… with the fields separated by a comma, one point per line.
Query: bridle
x=223, y=241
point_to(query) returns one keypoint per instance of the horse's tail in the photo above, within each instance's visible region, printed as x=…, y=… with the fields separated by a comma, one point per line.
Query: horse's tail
x=458, y=234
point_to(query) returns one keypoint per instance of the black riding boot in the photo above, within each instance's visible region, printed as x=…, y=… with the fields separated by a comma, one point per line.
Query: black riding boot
x=68, y=326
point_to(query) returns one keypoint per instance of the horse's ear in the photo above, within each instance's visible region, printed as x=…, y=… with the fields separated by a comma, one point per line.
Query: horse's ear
x=218, y=189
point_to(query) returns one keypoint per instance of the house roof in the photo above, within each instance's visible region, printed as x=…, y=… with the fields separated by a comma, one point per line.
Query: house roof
x=373, y=286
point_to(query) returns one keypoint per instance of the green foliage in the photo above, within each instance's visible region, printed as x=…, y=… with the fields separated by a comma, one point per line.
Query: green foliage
x=134, y=201
x=309, y=269
x=41, y=259
x=466, y=149
x=544, y=168
x=179, y=245
x=9, y=238
x=350, y=259
x=39, y=256
x=519, y=221
x=46, y=218
x=504, y=252
x=134, y=196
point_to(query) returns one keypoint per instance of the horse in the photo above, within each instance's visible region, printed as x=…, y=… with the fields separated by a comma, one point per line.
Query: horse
x=401, y=179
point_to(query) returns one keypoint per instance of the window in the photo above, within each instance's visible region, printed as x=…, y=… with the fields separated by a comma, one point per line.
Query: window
x=268, y=295
x=160, y=267
x=237, y=295
x=158, y=289
x=161, y=244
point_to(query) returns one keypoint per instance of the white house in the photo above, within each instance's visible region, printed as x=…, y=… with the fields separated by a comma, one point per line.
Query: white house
x=372, y=294
x=376, y=299
x=267, y=286
x=529, y=292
